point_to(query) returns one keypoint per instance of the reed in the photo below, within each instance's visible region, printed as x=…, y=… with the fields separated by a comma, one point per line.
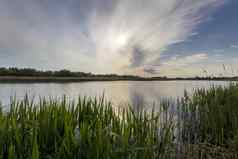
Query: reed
x=88, y=128
x=208, y=121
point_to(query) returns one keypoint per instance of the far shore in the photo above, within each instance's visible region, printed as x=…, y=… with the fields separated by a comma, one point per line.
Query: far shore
x=35, y=79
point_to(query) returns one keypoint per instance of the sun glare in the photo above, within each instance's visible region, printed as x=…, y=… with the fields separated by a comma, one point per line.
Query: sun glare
x=121, y=40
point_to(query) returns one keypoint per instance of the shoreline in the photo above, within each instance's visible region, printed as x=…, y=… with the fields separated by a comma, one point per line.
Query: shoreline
x=31, y=79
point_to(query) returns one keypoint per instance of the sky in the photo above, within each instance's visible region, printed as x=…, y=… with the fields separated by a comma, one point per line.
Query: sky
x=174, y=38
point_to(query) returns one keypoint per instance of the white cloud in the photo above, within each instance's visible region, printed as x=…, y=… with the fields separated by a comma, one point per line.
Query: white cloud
x=185, y=61
x=234, y=46
x=179, y=65
x=194, y=65
x=149, y=25
x=107, y=39
x=218, y=50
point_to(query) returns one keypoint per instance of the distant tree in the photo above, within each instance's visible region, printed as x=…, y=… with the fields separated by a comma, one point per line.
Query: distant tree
x=63, y=73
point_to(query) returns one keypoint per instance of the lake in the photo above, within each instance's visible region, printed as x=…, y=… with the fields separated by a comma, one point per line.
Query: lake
x=119, y=92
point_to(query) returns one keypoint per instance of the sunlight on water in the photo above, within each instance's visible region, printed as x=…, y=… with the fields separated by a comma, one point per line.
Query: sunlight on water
x=121, y=92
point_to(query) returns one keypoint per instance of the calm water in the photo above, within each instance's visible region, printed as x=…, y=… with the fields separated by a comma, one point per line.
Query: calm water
x=141, y=92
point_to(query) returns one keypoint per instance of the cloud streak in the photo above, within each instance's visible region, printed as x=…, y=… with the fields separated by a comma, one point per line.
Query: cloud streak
x=197, y=64
x=177, y=64
x=234, y=46
x=108, y=36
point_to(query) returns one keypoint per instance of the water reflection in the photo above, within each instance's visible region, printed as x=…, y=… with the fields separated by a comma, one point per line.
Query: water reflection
x=138, y=93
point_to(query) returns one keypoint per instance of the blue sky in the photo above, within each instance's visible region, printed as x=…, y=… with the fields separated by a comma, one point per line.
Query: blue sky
x=219, y=31
x=217, y=38
x=151, y=38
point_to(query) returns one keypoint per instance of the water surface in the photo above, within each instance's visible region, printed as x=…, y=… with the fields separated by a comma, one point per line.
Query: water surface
x=119, y=92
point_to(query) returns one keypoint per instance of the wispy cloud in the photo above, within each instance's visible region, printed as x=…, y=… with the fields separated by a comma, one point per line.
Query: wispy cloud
x=200, y=64
x=218, y=50
x=234, y=46
x=150, y=26
x=185, y=61
x=106, y=36
x=177, y=63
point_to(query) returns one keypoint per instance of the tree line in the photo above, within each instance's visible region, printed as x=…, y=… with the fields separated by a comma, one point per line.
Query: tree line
x=13, y=71
x=30, y=72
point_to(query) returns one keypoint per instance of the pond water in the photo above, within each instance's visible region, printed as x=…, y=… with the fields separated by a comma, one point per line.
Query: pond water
x=119, y=93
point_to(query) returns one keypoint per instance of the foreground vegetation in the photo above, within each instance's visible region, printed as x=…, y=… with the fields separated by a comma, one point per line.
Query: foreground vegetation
x=208, y=123
x=204, y=125
x=88, y=129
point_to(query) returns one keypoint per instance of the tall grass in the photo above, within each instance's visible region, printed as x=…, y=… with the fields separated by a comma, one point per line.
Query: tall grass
x=208, y=121
x=86, y=129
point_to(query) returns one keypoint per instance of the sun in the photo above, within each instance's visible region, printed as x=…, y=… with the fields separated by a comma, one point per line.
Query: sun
x=121, y=40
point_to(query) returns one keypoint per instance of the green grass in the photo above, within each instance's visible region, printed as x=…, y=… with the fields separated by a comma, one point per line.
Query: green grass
x=208, y=122
x=202, y=126
x=86, y=129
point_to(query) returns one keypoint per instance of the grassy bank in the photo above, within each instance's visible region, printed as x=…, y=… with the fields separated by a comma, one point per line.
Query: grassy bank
x=204, y=125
